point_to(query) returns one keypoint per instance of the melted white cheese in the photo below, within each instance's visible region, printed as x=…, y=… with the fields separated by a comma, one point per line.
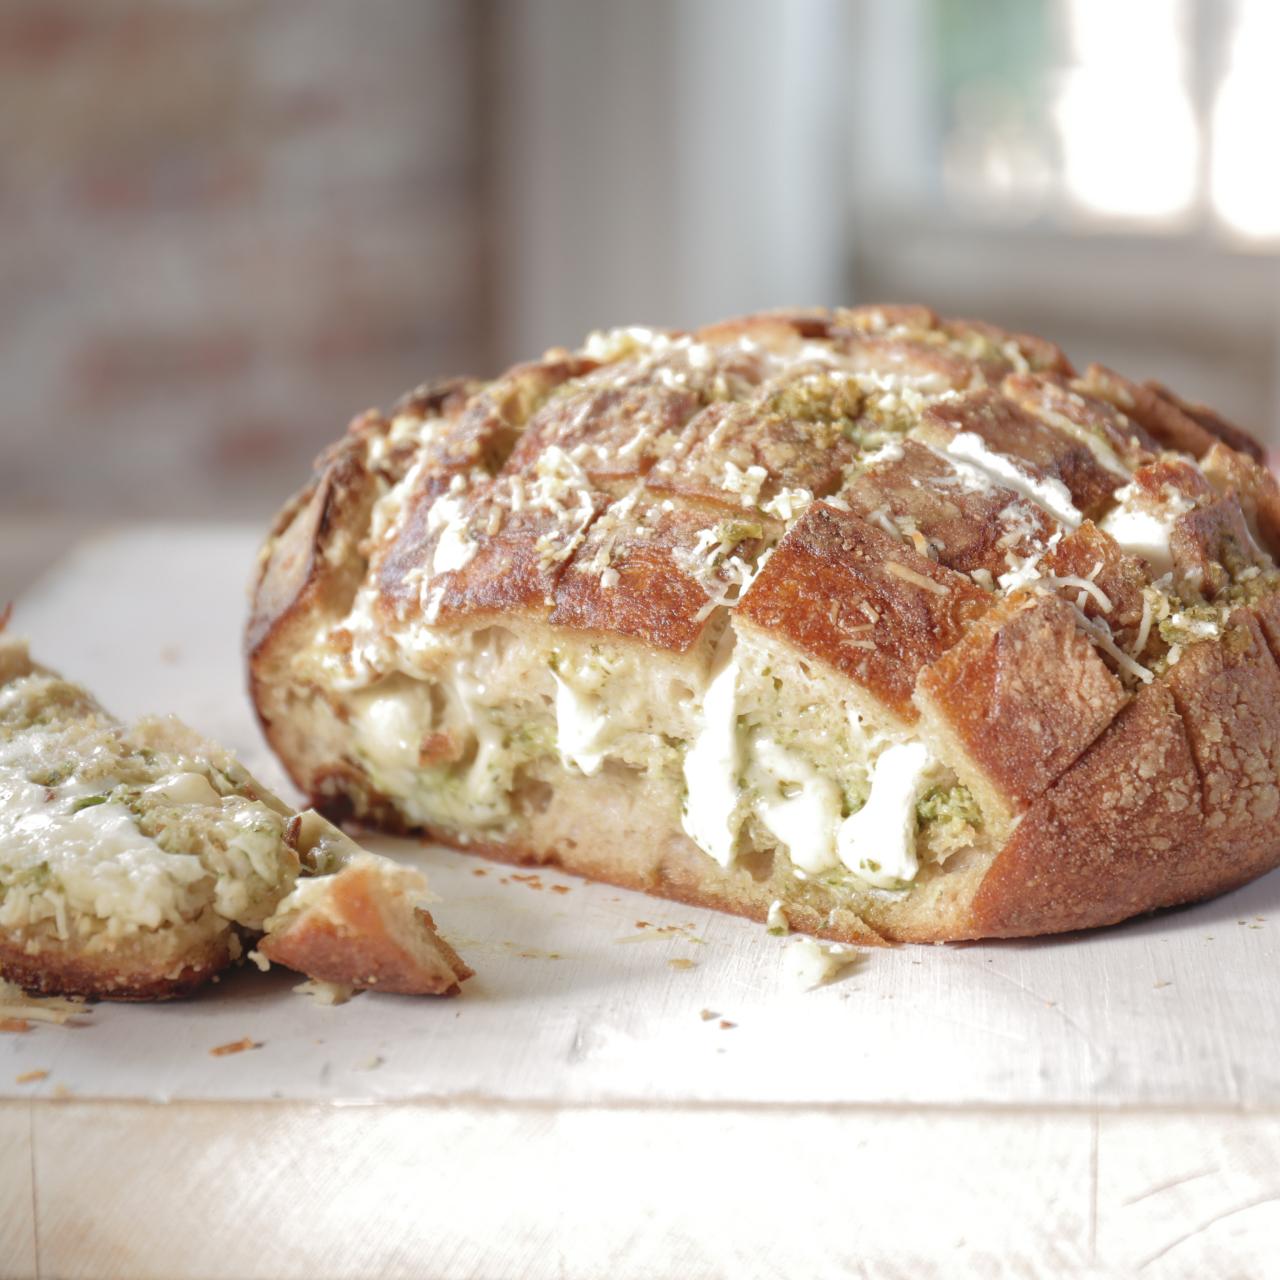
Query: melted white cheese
x=389, y=731
x=776, y=921
x=878, y=843
x=96, y=861
x=797, y=804
x=807, y=964
x=455, y=547
x=186, y=788
x=1050, y=494
x=485, y=781
x=582, y=727
x=711, y=765
x=1142, y=533
x=1142, y=529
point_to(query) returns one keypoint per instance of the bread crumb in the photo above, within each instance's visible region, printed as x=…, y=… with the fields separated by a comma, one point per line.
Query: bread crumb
x=680, y=963
x=807, y=964
x=478, y=871
x=726, y=1025
x=328, y=993
x=776, y=922
x=14, y=1024
x=707, y=1014
x=1164, y=982
x=30, y=1077
x=560, y=888
x=235, y=1046
x=259, y=959
x=663, y=931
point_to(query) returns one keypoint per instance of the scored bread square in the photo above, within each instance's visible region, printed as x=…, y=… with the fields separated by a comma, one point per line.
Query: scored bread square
x=652, y=569
x=1107, y=585
x=1018, y=699
x=1211, y=545
x=1228, y=695
x=864, y=603
x=745, y=454
x=624, y=419
x=1042, y=451
x=841, y=614
x=1120, y=832
x=1254, y=488
x=963, y=525
x=1070, y=405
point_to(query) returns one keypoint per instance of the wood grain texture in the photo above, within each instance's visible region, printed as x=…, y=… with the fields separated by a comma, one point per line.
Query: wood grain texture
x=531, y=1191
x=17, y=1206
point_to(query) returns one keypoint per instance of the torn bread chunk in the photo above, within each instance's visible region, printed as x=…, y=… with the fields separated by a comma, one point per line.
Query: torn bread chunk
x=362, y=926
x=835, y=614
x=136, y=862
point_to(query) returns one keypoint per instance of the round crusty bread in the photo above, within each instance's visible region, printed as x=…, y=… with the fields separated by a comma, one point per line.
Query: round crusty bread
x=498, y=616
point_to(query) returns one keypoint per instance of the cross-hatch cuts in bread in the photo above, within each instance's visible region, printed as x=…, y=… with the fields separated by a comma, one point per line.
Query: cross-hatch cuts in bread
x=138, y=861
x=899, y=626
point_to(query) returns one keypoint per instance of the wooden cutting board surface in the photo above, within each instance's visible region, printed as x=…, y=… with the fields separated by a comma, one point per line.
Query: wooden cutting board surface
x=628, y=1086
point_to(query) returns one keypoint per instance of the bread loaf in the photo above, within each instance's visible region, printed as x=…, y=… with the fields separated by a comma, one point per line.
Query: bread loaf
x=899, y=626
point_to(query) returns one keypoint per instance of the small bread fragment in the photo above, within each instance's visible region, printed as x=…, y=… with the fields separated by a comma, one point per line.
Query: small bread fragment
x=137, y=862
x=361, y=927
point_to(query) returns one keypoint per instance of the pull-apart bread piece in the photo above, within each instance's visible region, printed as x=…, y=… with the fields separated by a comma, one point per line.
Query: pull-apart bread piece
x=137, y=862
x=900, y=626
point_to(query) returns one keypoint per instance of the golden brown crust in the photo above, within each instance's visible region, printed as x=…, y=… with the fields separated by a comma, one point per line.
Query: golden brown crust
x=1214, y=423
x=794, y=454
x=140, y=972
x=1118, y=834
x=686, y=877
x=1072, y=404
x=1210, y=545
x=1228, y=695
x=1254, y=487
x=368, y=934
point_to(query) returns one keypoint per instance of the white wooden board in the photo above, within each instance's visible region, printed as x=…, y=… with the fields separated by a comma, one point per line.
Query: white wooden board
x=581, y=1044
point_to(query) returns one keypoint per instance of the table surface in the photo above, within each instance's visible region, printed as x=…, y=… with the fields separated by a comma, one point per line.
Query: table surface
x=590, y=997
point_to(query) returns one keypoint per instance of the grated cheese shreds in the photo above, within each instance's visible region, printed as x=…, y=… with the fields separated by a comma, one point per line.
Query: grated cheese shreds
x=1086, y=586
x=907, y=574
x=1100, y=634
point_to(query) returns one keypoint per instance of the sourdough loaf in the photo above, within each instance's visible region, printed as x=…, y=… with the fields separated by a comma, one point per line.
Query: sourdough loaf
x=900, y=626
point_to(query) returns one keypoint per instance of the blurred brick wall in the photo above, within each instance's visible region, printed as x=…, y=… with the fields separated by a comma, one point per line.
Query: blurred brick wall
x=224, y=228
